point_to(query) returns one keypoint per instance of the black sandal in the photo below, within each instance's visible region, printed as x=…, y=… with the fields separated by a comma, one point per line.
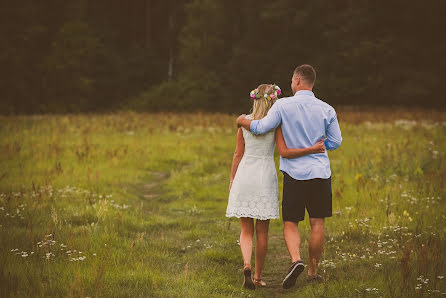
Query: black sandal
x=247, y=282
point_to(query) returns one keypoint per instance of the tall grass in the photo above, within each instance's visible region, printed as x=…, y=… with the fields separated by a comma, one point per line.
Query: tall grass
x=133, y=204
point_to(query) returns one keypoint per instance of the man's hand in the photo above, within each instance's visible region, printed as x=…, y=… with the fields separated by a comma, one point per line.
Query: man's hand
x=243, y=122
x=240, y=119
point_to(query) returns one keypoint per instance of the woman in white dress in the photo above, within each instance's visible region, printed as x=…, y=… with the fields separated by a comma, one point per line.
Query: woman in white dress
x=253, y=189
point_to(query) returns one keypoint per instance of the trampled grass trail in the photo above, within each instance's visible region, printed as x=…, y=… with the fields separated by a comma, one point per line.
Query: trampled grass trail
x=126, y=204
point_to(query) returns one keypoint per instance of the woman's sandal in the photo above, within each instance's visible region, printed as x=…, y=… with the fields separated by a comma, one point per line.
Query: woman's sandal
x=259, y=282
x=247, y=282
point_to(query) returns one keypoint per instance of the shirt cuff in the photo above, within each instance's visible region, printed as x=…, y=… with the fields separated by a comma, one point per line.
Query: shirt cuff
x=253, y=126
x=327, y=146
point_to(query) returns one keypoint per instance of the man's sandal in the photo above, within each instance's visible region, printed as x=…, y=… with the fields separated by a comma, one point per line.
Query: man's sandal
x=315, y=278
x=247, y=278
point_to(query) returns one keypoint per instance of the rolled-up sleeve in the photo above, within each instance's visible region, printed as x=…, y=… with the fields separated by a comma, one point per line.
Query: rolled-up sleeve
x=333, y=133
x=270, y=121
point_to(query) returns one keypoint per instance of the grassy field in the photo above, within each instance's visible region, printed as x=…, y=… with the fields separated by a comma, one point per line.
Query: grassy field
x=134, y=205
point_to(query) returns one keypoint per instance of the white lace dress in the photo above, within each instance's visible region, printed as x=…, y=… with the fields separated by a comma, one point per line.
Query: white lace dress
x=254, y=192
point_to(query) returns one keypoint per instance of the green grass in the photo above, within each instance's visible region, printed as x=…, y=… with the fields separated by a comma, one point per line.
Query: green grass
x=133, y=204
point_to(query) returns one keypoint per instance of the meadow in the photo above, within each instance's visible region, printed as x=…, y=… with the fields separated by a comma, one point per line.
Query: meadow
x=133, y=205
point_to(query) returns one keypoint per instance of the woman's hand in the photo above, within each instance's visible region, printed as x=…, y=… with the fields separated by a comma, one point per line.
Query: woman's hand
x=319, y=147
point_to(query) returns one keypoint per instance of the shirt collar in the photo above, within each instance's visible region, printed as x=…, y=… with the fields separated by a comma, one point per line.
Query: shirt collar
x=304, y=92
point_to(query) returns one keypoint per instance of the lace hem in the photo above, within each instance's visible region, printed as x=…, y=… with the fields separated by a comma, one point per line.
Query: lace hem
x=250, y=215
x=263, y=213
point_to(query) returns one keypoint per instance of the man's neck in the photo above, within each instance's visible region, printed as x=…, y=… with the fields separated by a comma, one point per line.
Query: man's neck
x=304, y=88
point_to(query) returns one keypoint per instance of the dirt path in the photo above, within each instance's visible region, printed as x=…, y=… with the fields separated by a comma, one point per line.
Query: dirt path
x=152, y=189
x=277, y=260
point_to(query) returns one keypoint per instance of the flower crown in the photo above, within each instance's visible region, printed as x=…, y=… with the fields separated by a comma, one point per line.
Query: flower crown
x=268, y=96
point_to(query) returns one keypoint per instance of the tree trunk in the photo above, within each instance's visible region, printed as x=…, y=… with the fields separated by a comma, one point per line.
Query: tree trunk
x=172, y=20
x=147, y=27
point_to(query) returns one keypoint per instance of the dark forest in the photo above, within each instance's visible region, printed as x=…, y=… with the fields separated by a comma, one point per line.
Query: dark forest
x=179, y=55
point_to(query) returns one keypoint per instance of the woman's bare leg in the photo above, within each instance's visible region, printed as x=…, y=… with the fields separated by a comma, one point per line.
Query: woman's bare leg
x=247, y=231
x=262, y=227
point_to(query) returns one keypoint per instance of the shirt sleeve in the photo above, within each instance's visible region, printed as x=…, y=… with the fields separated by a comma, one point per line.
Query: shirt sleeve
x=333, y=133
x=270, y=121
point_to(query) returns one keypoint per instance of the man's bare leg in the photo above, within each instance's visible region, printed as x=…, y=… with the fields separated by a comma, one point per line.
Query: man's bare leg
x=316, y=244
x=292, y=239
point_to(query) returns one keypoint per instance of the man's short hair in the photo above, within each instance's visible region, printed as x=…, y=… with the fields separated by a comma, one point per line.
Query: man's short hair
x=307, y=73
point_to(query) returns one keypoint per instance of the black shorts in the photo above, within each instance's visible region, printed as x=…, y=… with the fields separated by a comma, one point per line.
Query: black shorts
x=313, y=195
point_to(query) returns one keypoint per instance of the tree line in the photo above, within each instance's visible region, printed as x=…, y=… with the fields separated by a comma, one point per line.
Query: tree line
x=183, y=55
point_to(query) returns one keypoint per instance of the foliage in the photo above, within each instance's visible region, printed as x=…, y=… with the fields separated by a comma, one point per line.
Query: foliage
x=60, y=56
x=183, y=94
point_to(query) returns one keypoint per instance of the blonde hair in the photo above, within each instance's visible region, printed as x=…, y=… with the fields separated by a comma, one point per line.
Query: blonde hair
x=261, y=106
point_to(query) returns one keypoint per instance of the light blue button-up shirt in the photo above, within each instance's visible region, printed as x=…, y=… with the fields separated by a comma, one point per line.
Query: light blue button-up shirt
x=305, y=121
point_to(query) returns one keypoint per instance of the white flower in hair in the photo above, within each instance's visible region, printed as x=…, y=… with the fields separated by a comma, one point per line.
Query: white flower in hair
x=266, y=95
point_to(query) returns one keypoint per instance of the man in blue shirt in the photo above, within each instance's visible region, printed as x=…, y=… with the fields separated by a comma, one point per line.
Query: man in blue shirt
x=305, y=120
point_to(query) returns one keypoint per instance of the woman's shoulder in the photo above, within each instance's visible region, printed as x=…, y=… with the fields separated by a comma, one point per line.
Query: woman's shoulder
x=249, y=117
